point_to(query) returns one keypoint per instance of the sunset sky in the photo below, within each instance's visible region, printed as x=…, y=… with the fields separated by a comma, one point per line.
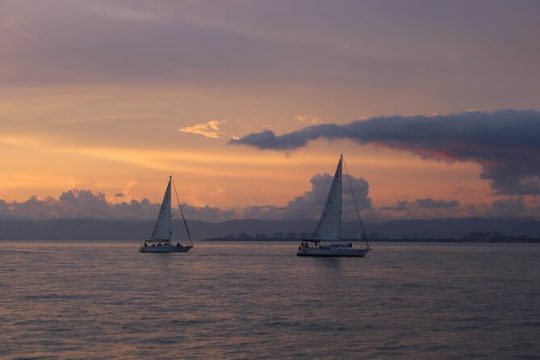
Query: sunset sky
x=432, y=103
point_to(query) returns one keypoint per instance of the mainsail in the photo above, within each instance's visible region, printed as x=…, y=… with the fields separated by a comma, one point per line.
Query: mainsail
x=162, y=228
x=329, y=227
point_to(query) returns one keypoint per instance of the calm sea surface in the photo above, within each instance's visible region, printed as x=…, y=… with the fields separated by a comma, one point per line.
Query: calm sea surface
x=98, y=300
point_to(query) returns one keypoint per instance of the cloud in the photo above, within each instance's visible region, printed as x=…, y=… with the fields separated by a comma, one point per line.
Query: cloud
x=88, y=204
x=308, y=119
x=127, y=13
x=79, y=203
x=330, y=49
x=15, y=25
x=188, y=43
x=426, y=203
x=504, y=143
x=510, y=207
x=429, y=203
x=310, y=204
x=307, y=206
x=208, y=213
x=209, y=129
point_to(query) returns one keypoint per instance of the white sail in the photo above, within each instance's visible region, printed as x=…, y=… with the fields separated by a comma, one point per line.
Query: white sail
x=162, y=228
x=329, y=227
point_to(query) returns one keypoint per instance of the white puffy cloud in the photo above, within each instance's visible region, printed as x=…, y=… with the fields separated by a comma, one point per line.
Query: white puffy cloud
x=310, y=204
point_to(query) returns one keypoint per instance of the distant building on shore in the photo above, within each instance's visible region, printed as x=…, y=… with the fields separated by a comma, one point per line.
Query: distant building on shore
x=485, y=236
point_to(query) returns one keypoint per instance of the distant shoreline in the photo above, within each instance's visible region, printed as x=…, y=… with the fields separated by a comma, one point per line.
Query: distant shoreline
x=272, y=240
x=435, y=230
x=450, y=240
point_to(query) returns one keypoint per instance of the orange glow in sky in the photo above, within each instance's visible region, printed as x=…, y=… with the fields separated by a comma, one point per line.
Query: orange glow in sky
x=126, y=98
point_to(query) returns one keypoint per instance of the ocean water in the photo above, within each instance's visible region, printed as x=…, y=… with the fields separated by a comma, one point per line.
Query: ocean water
x=98, y=300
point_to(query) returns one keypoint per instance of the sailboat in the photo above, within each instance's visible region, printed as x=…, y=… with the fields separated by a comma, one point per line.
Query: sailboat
x=160, y=241
x=326, y=240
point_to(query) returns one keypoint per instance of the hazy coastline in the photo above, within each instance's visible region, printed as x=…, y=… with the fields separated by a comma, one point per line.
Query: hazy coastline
x=469, y=229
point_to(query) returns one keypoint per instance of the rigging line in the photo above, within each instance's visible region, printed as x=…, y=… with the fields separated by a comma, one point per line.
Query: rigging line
x=356, y=204
x=182, y=212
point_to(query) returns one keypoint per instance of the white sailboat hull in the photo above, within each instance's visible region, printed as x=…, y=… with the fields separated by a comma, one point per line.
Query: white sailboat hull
x=165, y=249
x=333, y=251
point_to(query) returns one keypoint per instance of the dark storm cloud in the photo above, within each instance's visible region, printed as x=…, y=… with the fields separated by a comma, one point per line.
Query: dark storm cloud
x=505, y=143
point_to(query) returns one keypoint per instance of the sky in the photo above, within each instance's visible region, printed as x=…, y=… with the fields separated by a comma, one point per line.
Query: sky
x=248, y=104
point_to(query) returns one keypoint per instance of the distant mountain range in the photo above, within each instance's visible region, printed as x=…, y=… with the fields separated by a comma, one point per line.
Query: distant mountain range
x=97, y=229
